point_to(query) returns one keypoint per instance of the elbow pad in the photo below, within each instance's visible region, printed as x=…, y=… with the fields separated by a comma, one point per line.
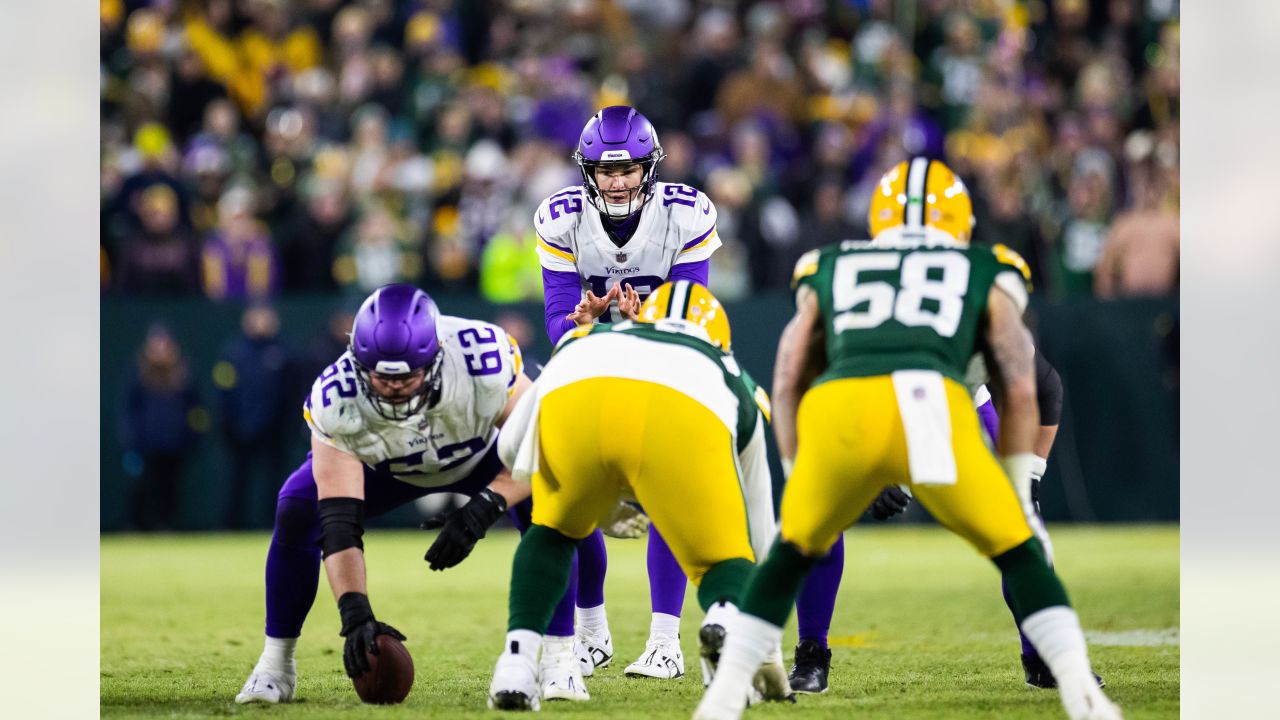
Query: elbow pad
x=1048, y=391
x=341, y=525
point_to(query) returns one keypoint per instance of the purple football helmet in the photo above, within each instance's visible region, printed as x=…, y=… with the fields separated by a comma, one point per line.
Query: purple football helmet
x=619, y=136
x=394, y=333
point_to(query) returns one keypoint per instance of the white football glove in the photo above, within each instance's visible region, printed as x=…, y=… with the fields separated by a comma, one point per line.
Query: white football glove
x=627, y=522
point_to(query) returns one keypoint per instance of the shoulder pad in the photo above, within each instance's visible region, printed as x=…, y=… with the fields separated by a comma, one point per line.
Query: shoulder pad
x=332, y=409
x=491, y=359
x=805, y=266
x=557, y=215
x=1008, y=256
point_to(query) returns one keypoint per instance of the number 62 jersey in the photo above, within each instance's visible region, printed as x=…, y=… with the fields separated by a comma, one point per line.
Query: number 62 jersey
x=436, y=446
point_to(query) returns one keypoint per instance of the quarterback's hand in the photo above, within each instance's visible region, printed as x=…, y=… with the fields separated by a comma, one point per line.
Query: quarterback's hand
x=629, y=303
x=463, y=528
x=593, y=307
x=891, y=501
x=627, y=522
x=361, y=630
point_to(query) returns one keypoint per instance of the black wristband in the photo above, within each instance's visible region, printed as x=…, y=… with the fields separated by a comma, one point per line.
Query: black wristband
x=353, y=608
x=341, y=524
x=495, y=498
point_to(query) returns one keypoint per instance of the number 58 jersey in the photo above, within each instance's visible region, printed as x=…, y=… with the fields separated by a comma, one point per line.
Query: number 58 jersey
x=677, y=225
x=902, y=305
x=439, y=445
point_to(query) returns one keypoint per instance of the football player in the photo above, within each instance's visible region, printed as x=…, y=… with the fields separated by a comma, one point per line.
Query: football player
x=816, y=602
x=711, y=499
x=604, y=246
x=412, y=407
x=869, y=392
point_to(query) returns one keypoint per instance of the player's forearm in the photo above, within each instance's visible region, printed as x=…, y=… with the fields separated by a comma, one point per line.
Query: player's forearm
x=346, y=572
x=561, y=294
x=1045, y=436
x=510, y=490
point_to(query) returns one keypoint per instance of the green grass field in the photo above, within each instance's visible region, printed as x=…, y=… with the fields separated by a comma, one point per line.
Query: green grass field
x=920, y=629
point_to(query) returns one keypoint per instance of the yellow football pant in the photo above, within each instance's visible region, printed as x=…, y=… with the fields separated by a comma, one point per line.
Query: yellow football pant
x=603, y=437
x=852, y=446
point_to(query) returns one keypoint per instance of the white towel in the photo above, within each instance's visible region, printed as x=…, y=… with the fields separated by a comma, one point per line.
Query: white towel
x=926, y=420
x=518, y=439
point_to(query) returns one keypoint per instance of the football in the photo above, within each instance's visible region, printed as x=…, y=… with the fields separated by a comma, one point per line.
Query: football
x=390, y=675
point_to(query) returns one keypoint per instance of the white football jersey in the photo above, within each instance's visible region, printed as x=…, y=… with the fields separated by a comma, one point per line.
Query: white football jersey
x=437, y=446
x=677, y=225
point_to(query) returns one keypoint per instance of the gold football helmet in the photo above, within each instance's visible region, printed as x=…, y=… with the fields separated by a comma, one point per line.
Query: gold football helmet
x=689, y=301
x=918, y=199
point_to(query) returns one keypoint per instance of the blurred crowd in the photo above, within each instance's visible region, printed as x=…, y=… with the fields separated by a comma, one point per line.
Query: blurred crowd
x=258, y=147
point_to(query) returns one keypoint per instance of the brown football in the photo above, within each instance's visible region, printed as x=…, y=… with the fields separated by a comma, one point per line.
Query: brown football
x=390, y=675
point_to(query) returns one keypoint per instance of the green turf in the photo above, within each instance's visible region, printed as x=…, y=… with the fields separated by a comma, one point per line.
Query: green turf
x=920, y=629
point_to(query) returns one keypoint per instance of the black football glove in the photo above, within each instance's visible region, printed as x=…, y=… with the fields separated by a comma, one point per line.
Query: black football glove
x=891, y=501
x=463, y=528
x=361, y=630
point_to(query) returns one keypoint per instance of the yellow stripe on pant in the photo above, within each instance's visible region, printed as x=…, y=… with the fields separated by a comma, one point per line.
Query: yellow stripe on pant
x=604, y=437
x=852, y=446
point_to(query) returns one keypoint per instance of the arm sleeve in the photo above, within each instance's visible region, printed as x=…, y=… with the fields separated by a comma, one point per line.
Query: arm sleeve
x=1048, y=391
x=697, y=272
x=561, y=294
x=989, y=419
x=758, y=491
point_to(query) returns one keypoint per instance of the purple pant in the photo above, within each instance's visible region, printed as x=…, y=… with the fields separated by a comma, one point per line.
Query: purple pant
x=293, y=558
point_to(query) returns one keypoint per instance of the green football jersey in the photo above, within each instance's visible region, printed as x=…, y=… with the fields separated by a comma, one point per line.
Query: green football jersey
x=753, y=401
x=905, y=306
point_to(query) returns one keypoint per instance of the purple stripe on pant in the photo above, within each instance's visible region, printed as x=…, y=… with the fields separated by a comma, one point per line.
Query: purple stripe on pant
x=293, y=558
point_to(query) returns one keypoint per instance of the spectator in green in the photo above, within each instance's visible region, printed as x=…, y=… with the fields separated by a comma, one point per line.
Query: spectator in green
x=509, y=267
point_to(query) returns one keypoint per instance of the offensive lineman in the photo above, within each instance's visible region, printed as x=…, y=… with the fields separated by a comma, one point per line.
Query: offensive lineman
x=604, y=246
x=888, y=220
x=869, y=392
x=412, y=408
x=694, y=458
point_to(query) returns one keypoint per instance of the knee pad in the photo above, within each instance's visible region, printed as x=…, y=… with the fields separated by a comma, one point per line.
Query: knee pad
x=297, y=523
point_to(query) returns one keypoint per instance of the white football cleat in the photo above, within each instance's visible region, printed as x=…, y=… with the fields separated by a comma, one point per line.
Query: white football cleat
x=1084, y=700
x=592, y=651
x=515, y=684
x=661, y=659
x=561, y=673
x=271, y=687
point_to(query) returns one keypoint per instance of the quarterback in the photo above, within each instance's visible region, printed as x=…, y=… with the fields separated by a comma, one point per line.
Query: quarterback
x=881, y=339
x=604, y=246
x=413, y=407
x=711, y=498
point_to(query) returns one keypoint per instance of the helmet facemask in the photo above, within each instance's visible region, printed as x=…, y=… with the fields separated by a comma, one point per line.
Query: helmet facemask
x=636, y=197
x=427, y=394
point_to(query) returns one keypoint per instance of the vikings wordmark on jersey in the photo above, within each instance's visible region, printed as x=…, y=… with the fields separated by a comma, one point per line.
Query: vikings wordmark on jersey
x=438, y=445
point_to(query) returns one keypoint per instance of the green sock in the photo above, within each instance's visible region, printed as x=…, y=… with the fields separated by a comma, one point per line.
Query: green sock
x=771, y=591
x=1030, y=580
x=539, y=577
x=724, y=581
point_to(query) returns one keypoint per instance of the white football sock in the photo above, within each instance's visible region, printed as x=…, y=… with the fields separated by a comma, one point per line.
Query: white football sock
x=1055, y=632
x=526, y=643
x=664, y=625
x=277, y=654
x=721, y=614
x=594, y=620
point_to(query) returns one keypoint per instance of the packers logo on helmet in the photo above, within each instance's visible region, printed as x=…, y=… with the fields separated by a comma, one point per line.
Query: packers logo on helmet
x=691, y=302
x=918, y=199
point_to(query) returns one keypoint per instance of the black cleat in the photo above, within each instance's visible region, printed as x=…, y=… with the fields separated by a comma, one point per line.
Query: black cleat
x=511, y=700
x=1038, y=675
x=811, y=668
